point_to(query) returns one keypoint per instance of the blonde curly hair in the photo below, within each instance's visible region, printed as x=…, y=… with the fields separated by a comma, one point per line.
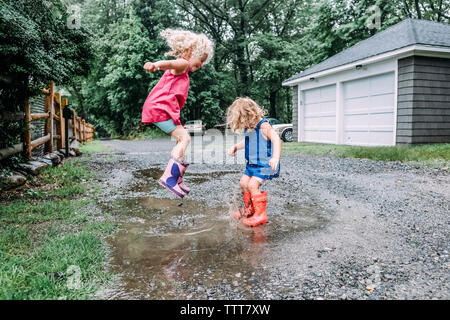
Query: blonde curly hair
x=244, y=113
x=181, y=41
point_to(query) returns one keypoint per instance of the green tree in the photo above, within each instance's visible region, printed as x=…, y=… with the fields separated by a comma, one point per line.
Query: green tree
x=339, y=24
x=259, y=43
x=279, y=50
x=231, y=23
x=118, y=84
x=436, y=10
x=36, y=47
x=210, y=93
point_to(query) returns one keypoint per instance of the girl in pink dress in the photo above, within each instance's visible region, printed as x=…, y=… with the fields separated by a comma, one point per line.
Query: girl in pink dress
x=164, y=103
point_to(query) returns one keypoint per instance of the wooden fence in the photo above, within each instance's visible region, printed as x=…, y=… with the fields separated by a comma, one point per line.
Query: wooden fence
x=54, y=129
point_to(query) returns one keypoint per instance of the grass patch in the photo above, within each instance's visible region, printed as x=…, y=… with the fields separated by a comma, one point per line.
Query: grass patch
x=436, y=155
x=66, y=267
x=26, y=212
x=50, y=244
x=63, y=182
x=99, y=227
x=93, y=147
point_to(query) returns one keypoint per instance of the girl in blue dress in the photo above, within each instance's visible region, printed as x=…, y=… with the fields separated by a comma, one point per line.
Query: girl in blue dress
x=262, y=152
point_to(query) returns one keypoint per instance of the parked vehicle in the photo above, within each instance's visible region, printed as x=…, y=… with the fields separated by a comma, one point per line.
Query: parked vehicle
x=221, y=127
x=284, y=130
x=195, y=127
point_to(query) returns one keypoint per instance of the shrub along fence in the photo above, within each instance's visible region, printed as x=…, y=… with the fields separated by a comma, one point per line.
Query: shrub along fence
x=48, y=131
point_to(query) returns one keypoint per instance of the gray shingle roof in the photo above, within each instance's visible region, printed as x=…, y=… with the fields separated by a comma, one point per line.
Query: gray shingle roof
x=402, y=34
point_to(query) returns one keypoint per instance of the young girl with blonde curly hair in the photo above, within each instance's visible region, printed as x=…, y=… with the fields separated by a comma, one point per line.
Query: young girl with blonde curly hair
x=164, y=103
x=262, y=152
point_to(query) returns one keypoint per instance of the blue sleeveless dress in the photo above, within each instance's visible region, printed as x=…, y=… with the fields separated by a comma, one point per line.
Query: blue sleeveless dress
x=258, y=152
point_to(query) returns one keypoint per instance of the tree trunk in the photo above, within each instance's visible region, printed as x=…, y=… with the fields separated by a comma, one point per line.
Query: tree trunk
x=273, y=104
x=419, y=13
x=240, y=53
x=241, y=65
x=439, y=12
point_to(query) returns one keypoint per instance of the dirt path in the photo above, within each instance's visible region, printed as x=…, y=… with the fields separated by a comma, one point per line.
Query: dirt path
x=338, y=229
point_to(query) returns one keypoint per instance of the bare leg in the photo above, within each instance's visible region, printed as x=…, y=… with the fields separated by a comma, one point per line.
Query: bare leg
x=183, y=139
x=244, y=183
x=253, y=186
x=246, y=197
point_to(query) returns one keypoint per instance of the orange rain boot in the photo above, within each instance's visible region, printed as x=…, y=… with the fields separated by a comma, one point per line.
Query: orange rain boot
x=249, y=210
x=260, y=217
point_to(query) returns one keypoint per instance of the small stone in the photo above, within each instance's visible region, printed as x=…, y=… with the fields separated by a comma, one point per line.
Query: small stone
x=53, y=157
x=12, y=181
x=44, y=160
x=33, y=167
x=60, y=155
x=75, y=146
x=369, y=289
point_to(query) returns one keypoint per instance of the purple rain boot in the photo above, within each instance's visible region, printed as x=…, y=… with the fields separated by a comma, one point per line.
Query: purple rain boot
x=170, y=177
x=182, y=186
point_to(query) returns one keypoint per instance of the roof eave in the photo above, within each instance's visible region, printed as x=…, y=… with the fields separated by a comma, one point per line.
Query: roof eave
x=408, y=50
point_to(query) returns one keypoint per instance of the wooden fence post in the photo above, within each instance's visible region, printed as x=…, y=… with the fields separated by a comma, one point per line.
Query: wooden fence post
x=58, y=120
x=64, y=102
x=49, y=122
x=27, y=132
x=91, y=137
x=79, y=128
x=53, y=110
x=84, y=130
x=74, y=125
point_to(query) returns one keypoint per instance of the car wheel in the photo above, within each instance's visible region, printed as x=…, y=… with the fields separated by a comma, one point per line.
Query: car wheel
x=287, y=136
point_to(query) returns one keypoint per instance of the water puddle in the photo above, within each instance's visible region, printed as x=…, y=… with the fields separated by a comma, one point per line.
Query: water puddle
x=184, y=249
x=168, y=249
x=149, y=178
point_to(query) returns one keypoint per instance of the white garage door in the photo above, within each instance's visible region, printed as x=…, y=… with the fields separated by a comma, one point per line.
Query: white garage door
x=369, y=111
x=319, y=114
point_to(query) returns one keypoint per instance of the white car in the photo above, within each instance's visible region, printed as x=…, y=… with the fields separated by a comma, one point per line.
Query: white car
x=284, y=130
x=194, y=127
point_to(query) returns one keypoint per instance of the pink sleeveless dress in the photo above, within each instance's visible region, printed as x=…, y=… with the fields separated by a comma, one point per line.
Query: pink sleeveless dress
x=167, y=98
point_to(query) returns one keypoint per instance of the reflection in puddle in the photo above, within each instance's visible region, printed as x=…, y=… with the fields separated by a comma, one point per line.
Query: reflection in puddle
x=165, y=250
x=184, y=249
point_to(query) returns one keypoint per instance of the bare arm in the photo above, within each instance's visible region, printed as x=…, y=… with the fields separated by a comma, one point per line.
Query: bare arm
x=236, y=147
x=178, y=65
x=271, y=135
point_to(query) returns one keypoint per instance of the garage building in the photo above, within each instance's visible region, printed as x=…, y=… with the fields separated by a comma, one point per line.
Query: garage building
x=392, y=88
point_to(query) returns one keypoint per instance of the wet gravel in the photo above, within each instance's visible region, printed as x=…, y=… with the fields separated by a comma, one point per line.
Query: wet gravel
x=376, y=230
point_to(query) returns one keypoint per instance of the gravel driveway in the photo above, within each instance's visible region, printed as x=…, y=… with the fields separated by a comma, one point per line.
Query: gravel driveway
x=338, y=229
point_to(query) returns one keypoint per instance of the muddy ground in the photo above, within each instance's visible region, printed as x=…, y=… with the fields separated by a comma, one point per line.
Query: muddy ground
x=338, y=229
